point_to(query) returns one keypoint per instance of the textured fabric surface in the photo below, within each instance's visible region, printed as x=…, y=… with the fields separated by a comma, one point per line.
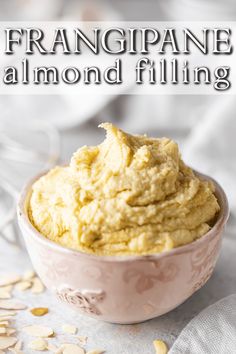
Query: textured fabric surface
x=212, y=331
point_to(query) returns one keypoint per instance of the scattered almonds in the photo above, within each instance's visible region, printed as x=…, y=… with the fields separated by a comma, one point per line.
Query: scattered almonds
x=37, y=286
x=6, y=342
x=69, y=329
x=39, y=311
x=10, y=279
x=71, y=349
x=38, y=344
x=39, y=331
x=23, y=285
x=160, y=346
x=11, y=305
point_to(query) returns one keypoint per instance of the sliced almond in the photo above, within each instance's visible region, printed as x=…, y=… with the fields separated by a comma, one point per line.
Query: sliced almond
x=4, y=295
x=38, y=344
x=11, y=305
x=6, y=342
x=72, y=349
x=6, y=318
x=37, y=286
x=23, y=285
x=96, y=351
x=39, y=311
x=160, y=347
x=18, y=345
x=10, y=279
x=8, y=288
x=10, y=331
x=6, y=314
x=69, y=329
x=82, y=340
x=3, y=330
x=39, y=331
x=28, y=274
x=5, y=292
x=4, y=323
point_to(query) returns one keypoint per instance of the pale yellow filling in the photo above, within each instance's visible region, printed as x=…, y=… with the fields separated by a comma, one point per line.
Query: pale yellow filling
x=128, y=195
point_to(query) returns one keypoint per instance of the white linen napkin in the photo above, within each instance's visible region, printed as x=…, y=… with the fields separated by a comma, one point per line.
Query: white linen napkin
x=213, y=331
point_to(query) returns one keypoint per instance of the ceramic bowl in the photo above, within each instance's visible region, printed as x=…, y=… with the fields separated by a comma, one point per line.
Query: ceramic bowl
x=123, y=289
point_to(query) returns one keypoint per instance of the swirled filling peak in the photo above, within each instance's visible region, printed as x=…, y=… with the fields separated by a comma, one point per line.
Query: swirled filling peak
x=128, y=195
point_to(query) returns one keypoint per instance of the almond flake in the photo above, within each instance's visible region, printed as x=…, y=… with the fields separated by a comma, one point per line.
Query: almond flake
x=4, y=295
x=69, y=329
x=39, y=311
x=160, y=347
x=4, y=323
x=7, y=288
x=6, y=342
x=82, y=340
x=6, y=314
x=10, y=279
x=72, y=349
x=18, y=345
x=29, y=274
x=23, y=285
x=37, y=286
x=59, y=350
x=15, y=351
x=3, y=330
x=39, y=331
x=11, y=305
x=6, y=318
x=38, y=344
x=96, y=351
x=10, y=331
x=5, y=292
